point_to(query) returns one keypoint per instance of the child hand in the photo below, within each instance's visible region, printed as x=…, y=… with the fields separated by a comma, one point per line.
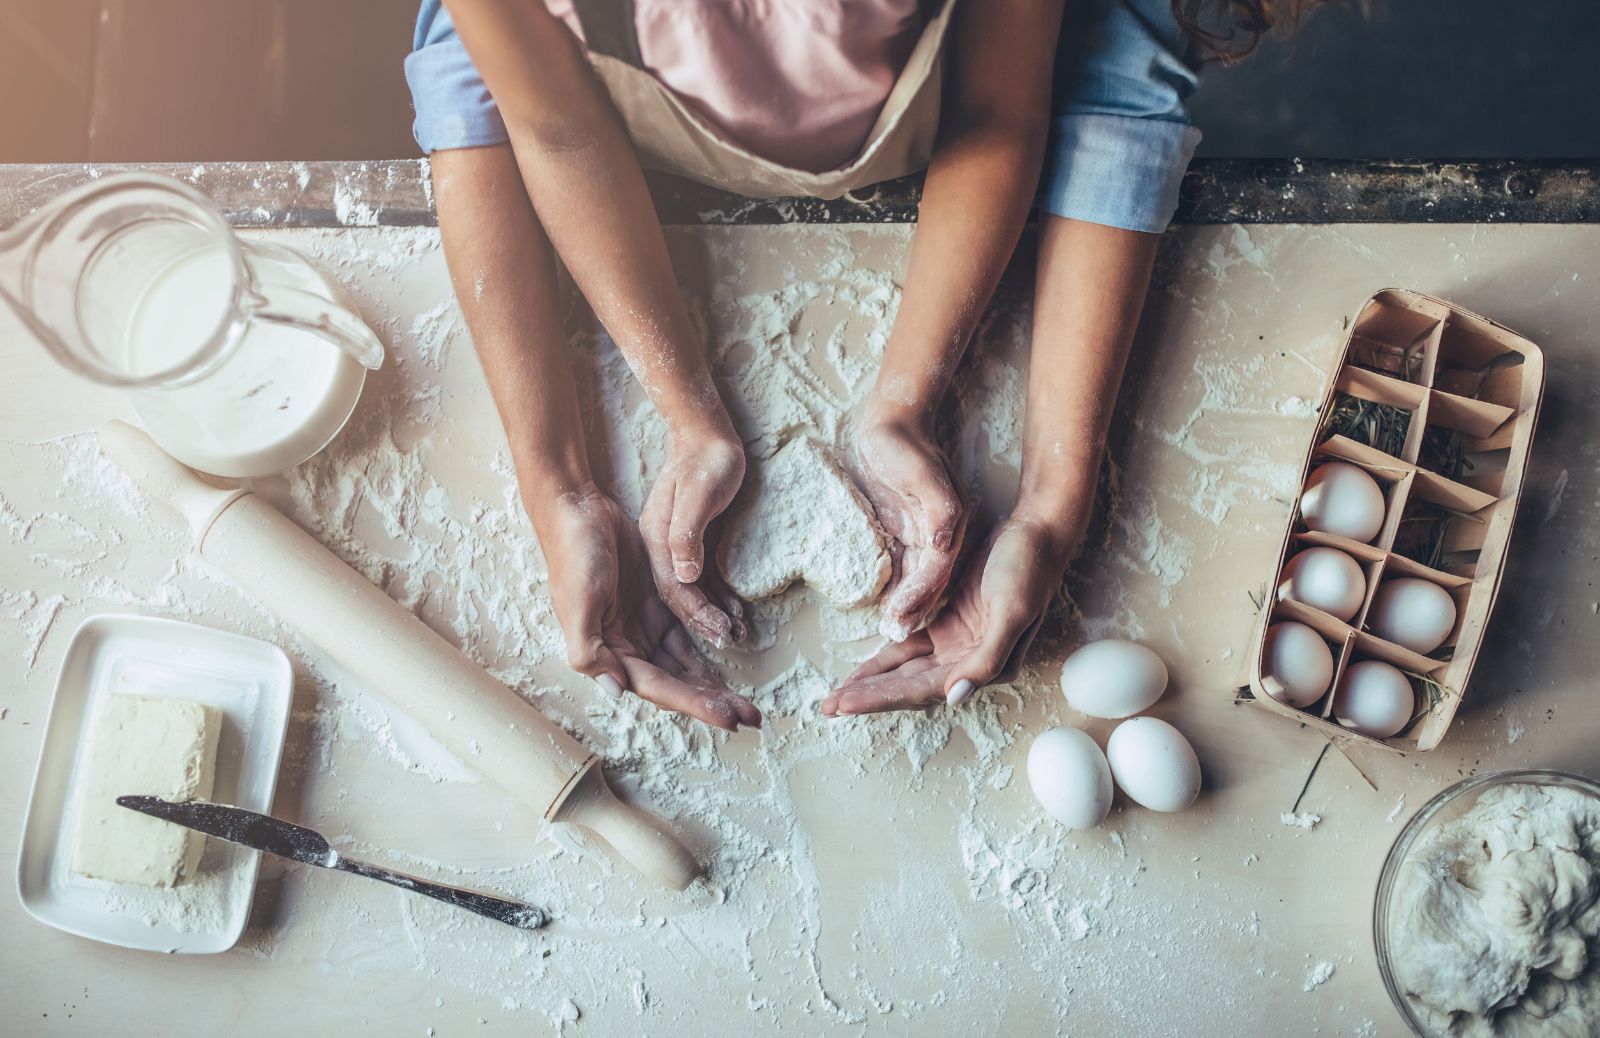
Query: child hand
x=702, y=475
x=906, y=477
x=979, y=637
x=617, y=629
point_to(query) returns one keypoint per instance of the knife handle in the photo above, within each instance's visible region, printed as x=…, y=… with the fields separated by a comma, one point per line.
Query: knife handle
x=514, y=913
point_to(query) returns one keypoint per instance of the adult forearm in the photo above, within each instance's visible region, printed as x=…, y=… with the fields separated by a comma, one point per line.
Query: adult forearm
x=504, y=276
x=976, y=198
x=979, y=188
x=1091, y=285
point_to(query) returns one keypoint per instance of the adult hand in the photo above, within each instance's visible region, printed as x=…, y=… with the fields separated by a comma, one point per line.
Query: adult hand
x=907, y=480
x=981, y=634
x=702, y=475
x=618, y=630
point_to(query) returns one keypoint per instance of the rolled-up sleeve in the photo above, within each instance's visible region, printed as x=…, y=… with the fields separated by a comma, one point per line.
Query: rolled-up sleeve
x=1120, y=139
x=454, y=109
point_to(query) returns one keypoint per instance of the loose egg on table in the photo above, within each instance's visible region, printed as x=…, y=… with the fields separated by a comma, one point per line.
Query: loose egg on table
x=1154, y=764
x=1418, y=614
x=1298, y=661
x=1374, y=698
x=1326, y=579
x=1113, y=678
x=1342, y=499
x=1070, y=777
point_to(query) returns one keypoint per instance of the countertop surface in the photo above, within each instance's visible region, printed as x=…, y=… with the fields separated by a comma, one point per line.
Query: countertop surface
x=865, y=876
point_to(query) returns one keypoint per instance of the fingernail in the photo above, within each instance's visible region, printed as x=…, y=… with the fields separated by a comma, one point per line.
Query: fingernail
x=959, y=692
x=894, y=630
x=609, y=686
x=688, y=572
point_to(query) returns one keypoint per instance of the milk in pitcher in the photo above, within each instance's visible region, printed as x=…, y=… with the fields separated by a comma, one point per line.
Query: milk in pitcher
x=278, y=398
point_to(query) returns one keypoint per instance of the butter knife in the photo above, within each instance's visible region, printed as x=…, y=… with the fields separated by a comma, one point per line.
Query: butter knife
x=297, y=843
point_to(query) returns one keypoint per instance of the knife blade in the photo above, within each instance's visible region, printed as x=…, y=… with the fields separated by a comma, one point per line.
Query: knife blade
x=246, y=828
x=309, y=847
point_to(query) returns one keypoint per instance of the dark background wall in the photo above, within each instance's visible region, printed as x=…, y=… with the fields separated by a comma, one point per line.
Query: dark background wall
x=204, y=80
x=1416, y=79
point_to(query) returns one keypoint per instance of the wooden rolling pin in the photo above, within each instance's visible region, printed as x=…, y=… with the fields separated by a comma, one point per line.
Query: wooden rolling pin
x=512, y=745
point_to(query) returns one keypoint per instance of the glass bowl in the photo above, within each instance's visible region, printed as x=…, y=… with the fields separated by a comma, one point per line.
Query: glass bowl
x=1446, y=806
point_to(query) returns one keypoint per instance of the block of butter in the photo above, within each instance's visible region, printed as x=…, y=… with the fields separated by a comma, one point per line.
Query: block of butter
x=151, y=746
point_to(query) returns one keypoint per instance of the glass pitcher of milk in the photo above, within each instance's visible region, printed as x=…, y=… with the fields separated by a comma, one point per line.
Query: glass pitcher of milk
x=242, y=358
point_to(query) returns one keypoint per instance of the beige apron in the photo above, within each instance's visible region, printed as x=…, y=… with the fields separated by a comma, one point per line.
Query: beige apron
x=672, y=139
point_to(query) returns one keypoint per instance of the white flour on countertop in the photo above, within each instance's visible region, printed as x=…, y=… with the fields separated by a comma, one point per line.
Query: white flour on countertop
x=418, y=495
x=1318, y=975
x=1303, y=820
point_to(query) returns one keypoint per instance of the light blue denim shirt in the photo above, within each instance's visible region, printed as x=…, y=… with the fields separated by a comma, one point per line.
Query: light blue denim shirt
x=1120, y=138
x=454, y=109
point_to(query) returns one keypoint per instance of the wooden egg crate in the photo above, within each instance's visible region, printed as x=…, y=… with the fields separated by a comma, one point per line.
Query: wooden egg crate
x=1438, y=405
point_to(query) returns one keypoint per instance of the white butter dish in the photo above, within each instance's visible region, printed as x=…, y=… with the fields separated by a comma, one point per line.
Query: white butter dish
x=251, y=683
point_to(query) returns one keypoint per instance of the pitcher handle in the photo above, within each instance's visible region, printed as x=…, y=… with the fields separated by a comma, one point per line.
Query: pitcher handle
x=313, y=313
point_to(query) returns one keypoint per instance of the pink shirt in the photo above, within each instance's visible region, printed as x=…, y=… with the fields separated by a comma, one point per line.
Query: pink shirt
x=797, y=82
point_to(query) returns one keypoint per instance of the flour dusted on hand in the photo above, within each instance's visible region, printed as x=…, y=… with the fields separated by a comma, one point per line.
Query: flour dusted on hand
x=804, y=521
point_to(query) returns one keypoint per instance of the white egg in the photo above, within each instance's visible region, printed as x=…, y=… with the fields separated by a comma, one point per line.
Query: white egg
x=1342, y=499
x=1154, y=764
x=1298, y=661
x=1326, y=579
x=1374, y=699
x=1418, y=614
x=1112, y=678
x=1070, y=777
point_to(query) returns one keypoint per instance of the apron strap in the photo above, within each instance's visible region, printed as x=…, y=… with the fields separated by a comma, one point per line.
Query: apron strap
x=609, y=29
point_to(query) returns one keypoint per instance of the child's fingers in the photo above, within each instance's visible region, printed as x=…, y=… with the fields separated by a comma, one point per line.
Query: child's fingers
x=697, y=499
x=719, y=708
x=698, y=613
x=687, y=601
x=749, y=713
x=589, y=655
x=924, y=574
x=582, y=616
x=735, y=609
x=677, y=647
x=938, y=512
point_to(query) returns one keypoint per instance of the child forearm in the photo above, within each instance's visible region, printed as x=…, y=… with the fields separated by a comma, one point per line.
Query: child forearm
x=1091, y=286
x=586, y=186
x=504, y=278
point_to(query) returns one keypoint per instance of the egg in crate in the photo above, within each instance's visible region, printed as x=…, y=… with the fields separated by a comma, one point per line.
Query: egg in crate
x=1326, y=579
x=1342, y=499
x=1416, y=613
x=1374, y=698
x=1299, y=661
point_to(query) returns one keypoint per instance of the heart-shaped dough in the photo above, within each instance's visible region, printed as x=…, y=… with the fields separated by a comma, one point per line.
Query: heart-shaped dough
x=801, y=518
